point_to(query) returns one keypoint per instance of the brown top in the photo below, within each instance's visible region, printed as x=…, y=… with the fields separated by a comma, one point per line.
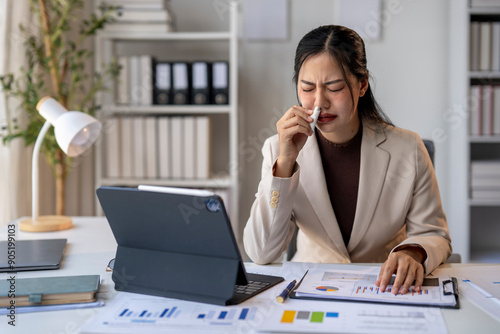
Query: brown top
x=341, y=168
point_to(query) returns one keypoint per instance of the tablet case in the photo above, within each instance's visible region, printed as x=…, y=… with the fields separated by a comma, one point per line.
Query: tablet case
x=33, y=255
x=171, y=245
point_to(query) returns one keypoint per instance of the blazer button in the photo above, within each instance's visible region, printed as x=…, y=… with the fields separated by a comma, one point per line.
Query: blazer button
x=275, y=193
x=274, y=199
x=273, y=205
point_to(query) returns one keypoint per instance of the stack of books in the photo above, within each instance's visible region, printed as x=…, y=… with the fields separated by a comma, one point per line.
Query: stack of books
x=485, y=179
x=149, y=147
x=147, y=15
x=485, y=46
x=485, y=110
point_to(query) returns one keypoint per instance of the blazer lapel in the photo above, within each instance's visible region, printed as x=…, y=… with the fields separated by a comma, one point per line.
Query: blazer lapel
x=372, y=173
x=313, y=180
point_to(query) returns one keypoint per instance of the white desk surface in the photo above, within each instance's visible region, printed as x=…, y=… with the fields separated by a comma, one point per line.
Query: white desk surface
x=90, y=247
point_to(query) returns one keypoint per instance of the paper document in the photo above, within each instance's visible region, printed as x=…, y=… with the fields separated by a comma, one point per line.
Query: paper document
x=480, y=284
x=130, y=313
x=359, y=285
x=299, y=316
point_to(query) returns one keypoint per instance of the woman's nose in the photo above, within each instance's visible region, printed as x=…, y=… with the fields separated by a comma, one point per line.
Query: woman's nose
x=320, y=98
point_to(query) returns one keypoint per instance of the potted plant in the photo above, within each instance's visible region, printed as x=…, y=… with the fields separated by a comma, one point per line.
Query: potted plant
x=57, y=66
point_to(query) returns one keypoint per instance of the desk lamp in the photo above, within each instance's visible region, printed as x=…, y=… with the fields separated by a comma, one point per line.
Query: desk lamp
x=75, y=132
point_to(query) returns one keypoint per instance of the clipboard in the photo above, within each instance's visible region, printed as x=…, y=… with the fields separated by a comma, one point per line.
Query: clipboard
x=446, y=288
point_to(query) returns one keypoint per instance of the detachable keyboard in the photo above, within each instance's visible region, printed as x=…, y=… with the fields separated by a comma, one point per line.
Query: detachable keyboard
x=256, y=284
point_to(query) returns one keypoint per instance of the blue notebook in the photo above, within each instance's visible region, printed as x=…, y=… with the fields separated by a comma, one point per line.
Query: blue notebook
x=49, y=290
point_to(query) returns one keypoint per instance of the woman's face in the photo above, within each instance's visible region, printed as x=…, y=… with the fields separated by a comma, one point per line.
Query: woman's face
x=321, y=83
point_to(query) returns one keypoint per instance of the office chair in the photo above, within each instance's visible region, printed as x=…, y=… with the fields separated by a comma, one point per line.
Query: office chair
x=454, y=258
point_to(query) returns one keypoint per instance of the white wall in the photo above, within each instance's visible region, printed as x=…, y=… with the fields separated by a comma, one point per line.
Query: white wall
x=409, y=65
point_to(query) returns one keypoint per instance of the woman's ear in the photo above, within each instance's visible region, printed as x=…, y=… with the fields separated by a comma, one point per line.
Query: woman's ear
x=364, y=84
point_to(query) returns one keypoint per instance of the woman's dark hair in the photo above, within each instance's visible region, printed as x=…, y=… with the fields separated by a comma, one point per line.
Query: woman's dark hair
x=348, y=50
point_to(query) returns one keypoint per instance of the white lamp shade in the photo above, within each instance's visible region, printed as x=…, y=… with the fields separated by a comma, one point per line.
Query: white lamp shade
x=75, y=132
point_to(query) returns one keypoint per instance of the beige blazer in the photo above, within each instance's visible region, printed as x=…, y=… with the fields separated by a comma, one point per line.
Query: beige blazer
x=398, y=203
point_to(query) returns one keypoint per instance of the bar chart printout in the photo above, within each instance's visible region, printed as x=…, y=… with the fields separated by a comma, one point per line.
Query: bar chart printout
x=348, y=317
x=131, y=313
x=313, y=317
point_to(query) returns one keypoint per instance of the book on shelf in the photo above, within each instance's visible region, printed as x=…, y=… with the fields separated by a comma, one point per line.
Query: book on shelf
x=151, y=145
x=485, y=194
x=181, y=83
x=485, y=46
x=146, y=80
x=474, y=45
x=484, y=168
x=484, y=3
x=487, y=111
x=189, y=138
x=220, y=82
x=484, y=110
x=476, y=98
x=164, y=147
x=489, y=182
x=177, y=126
x=122, y=94
x=139, y=148
x=134, y=86
x=50, y=290
x=203, y=147
x=496, y=110
x=127, y=145
x=162, y=90
x=201, y=76
x=112, y=147
x=495, y=46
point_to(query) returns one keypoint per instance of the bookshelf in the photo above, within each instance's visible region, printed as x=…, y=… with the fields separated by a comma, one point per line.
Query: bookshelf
x=223, y=175
x=474, y=217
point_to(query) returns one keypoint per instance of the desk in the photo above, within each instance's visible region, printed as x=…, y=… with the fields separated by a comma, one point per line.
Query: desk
x=90, y=247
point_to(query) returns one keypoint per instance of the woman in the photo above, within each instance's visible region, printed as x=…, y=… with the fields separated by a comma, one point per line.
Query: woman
x=358, y=188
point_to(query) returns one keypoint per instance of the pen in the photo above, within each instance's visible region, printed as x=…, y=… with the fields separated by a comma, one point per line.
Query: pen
x=284, y=295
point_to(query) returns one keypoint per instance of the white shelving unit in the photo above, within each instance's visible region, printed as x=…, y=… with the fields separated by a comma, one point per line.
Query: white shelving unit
x=474, y=223
x=180, y=46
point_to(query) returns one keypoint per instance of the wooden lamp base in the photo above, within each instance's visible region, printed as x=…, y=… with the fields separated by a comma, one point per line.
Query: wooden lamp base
x=46, y=224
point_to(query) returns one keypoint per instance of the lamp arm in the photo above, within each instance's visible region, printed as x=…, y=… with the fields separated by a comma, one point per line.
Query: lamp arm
x=34, y=171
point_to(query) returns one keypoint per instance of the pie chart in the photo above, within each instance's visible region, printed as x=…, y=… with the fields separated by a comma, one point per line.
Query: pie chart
x=327, y=288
